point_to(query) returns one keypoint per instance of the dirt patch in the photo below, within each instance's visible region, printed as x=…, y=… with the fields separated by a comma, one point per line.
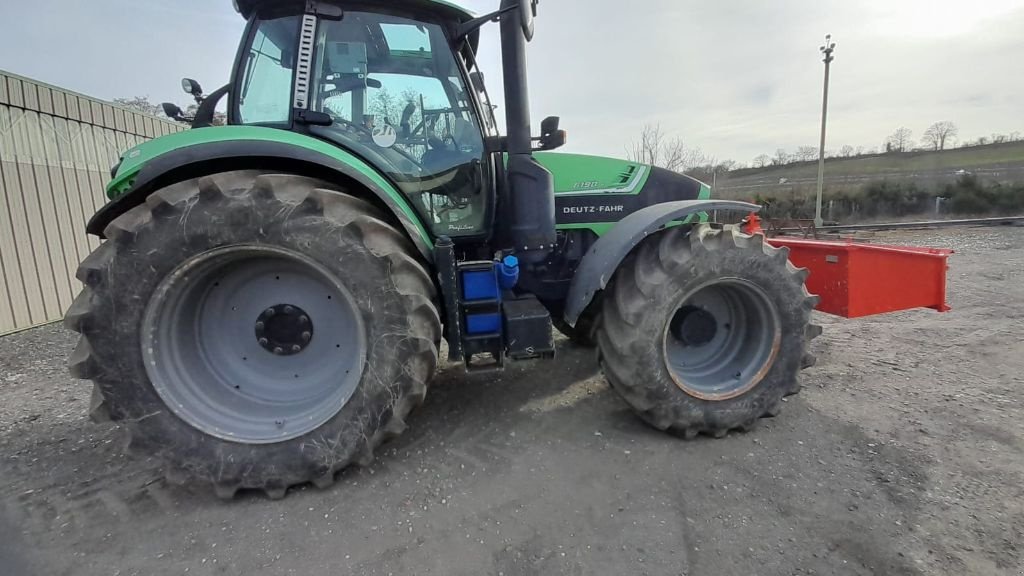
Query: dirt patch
x=903, y=455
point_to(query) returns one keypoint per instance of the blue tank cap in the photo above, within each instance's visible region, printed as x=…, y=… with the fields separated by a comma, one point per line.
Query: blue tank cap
x=508, y=272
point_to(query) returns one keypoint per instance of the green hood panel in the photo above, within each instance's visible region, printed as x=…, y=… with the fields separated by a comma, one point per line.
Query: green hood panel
x=577, y=174
x=135, y=158
x=593, y=192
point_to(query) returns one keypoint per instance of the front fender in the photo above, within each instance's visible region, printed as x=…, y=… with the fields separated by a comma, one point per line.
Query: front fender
x=603, y=258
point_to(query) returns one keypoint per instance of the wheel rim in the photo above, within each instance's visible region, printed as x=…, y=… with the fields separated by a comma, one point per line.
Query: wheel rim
x=721, y=339
x=253, y=344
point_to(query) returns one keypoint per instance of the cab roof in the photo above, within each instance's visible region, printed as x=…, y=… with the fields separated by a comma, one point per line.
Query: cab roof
x=442, y=8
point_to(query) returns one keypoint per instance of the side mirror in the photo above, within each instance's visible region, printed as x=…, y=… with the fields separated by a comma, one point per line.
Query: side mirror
x=171, y=110
x=549, y=125
x=527, y=11
x=550, y=136
x=192, y=87
x=476, y=78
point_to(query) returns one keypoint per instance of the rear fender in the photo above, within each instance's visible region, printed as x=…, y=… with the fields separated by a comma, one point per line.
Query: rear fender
x=603, y=258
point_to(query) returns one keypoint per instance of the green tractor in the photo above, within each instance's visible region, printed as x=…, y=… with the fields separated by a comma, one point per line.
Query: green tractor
x=270, y=301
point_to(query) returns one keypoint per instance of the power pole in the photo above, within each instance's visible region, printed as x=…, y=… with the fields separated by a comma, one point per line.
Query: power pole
x=827, y=50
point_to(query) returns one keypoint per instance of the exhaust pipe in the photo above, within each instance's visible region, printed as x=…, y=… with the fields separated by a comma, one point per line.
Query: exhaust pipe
x=529, y=187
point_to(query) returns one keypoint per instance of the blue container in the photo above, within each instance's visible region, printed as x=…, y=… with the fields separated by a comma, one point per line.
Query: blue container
x=479, y=285
x=486, y=323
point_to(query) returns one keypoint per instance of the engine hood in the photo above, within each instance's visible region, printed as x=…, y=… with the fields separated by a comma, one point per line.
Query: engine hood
x=591, y=190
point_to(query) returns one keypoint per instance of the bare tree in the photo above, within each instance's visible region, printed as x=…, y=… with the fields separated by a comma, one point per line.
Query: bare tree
x=805, y=153
x=657, y=149
x=694, y=157
x=938, y=134
x=1014, y=136
x=725, y=166
x=846, y=151
x=860, y=151
x=761, y=160
x=982, y=140
x=899, y=141
x=140, y=104
x=781, y=157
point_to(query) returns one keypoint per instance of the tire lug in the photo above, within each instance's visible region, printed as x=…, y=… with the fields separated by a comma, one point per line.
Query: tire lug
x=306, y=336
x=288, y=309
x=259, y=325
x=296, y=348
x=269, y=312
x=303, y=319
x=278, y=350
x=264, y=341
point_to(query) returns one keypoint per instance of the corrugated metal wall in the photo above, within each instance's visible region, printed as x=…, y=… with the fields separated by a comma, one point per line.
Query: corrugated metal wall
x=56, y=149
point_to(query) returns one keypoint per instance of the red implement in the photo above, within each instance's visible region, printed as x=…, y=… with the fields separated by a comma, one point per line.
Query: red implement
x=855, y=279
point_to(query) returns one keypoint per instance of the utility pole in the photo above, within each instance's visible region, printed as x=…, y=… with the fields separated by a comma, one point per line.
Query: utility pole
x=827, y=51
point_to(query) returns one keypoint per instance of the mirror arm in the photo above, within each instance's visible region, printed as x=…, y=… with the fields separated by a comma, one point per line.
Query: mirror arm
x=207, y=108
x=467, y=28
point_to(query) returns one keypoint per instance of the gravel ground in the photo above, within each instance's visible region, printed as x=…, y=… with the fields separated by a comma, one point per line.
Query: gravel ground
x=903, y=455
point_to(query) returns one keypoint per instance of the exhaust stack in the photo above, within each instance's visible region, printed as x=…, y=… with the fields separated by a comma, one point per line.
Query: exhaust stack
x=530, y=190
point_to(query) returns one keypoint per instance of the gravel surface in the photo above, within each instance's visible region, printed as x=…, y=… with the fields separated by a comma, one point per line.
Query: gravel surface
x=904, y=454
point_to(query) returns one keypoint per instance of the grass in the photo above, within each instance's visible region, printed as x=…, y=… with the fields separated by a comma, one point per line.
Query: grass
x=909, y=163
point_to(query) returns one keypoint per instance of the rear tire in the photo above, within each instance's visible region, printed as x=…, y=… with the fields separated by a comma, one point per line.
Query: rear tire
x=704, y=330
x=222, y=398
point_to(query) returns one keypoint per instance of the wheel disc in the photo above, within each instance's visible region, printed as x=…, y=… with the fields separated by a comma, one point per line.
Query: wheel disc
x=722, y=339
x=253, y=344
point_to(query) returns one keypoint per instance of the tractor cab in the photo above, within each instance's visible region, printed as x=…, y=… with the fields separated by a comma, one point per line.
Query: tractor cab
x=388, y=83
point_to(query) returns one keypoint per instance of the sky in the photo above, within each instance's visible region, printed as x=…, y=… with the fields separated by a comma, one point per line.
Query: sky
x=733, y=78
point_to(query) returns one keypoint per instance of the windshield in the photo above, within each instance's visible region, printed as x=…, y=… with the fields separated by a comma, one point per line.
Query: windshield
x=396, y=97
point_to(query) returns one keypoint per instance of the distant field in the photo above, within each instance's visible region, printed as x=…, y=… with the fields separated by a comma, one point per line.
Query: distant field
x=1003, y=162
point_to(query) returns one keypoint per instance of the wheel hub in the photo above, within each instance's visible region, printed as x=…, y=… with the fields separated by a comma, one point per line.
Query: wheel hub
x=223, y=341
x=694, y=326
x=721, y=339
x=284, y=329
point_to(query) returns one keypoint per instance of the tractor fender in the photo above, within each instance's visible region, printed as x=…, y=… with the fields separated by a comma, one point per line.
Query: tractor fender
x=605, y=255
x=210, y=157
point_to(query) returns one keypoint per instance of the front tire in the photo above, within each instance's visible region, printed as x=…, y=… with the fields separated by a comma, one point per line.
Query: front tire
x=703, y=330
x=256, y=331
